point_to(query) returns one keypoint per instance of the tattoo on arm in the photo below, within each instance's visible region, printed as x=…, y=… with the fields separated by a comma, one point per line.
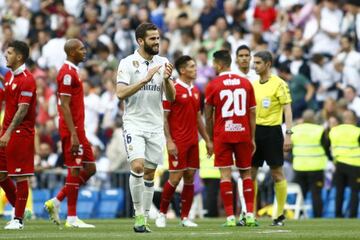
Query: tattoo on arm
x=19, y=116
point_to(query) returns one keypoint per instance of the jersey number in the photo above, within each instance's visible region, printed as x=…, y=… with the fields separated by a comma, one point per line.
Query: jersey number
x=237, y=99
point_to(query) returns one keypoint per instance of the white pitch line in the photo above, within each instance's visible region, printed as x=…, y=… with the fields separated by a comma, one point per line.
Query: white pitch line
x=276, y=231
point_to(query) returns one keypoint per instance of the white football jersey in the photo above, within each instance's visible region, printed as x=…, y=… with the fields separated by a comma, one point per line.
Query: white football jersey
x=251, y=75
x=144, y=109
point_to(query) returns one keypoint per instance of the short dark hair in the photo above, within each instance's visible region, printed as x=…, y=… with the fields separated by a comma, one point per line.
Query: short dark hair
x=20, y=48
x=265, y=56
x=223, y=57
x=181, y=62
x=141, y=30
x=348, y=37
x=242, y=47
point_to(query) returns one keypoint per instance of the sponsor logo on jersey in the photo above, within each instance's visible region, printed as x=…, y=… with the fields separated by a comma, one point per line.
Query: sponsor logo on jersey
x=233, y=127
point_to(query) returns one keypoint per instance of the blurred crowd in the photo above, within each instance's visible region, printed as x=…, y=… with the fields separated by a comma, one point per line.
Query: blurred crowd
x=314, y=42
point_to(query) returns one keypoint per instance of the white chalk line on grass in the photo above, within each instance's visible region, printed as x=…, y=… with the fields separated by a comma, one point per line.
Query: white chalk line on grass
x=275, y=231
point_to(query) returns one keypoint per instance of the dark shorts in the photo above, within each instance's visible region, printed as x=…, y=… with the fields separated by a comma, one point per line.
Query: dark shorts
x=269, y=146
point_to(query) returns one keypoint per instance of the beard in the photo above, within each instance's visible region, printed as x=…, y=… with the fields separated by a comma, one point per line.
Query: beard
x=150, y=50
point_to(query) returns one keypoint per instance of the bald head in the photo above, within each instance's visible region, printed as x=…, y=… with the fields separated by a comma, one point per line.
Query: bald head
x=349, y=117
x=308, y=116
x=75, y=50
x=71, y=45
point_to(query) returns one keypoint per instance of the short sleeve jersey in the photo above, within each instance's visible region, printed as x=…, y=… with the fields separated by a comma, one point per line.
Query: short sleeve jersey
x=270, y=98
x=233, y=97
x=144, y=109
x=183, y=112
x=70, y=85
x=20, y=88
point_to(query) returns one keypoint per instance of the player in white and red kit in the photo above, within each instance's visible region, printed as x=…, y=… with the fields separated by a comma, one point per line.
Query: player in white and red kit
x=18, y=130
x=78, y=155
x=232, y=99
x=182, y=121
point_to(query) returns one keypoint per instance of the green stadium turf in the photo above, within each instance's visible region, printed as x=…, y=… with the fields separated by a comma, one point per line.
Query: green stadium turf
x=208, y=229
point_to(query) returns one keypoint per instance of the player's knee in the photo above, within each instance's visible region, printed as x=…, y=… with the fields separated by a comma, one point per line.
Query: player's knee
x=277, y=176
x=91, y=169
x=3, y=176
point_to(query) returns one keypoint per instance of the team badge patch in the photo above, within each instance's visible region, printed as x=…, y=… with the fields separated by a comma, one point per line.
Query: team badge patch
x=175, y=163
x=130, y=147
x=136, y=64
x=196, y=96
x=13, y=86
x=67, y=80
x=78, y=161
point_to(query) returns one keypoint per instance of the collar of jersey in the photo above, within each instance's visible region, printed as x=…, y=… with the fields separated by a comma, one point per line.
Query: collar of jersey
x=140, y=58
x=226, y=73
x=72, y=65
x=19, y=70
x=181, y=83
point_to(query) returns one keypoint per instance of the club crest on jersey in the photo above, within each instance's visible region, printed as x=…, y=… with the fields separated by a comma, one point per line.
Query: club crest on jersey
x=175, y=163
x=78, y=161
x=130, y=148
x=13, y=86
x=136, y=64
x=196, y=96
x=184, y=95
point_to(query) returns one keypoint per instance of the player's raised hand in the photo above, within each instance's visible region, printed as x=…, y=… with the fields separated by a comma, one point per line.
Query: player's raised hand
x=168, y=70
x=151, y=73
x=75, y=144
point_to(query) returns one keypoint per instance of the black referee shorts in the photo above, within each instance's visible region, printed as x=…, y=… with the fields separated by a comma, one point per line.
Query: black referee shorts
x=269, y=146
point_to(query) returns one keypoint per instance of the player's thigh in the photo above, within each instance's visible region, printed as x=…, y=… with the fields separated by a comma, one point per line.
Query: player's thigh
x=193, y=161
x=20, y=153
x=223, y=154
x=87, y=153
x=243, y=152
x=134, y=144
x=154, y=149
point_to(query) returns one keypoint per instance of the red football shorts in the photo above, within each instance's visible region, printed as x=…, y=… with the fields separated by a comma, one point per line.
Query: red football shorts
x=84, y=155
x=17, y=158
x=225, y=152
x=188, y=157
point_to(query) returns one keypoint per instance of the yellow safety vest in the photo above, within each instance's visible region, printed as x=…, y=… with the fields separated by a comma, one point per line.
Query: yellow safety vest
x=345, y=144
x=207, y=169
x=308, y=154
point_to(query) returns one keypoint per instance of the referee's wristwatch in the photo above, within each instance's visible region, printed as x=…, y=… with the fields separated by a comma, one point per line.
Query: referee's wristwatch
x=289, y=132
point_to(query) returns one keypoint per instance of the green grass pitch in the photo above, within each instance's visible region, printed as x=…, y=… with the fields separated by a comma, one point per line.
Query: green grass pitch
x=208, y=229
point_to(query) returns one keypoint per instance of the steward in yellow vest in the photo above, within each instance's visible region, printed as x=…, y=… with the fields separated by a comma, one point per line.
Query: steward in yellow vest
x=345, y=149
x=310, y=154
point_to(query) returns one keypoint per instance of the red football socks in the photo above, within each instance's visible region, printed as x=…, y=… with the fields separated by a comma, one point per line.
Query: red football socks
x=248, y=189
x=22, y=192
x=227, y=196
x=187, y=197
x=167, y=194
x=10, y=190
x=72, y=190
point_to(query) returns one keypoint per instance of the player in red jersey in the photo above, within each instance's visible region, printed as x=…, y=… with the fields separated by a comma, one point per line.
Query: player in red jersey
x=182, y=121
x=18, y=130
x=231, y=98
x=77, y=151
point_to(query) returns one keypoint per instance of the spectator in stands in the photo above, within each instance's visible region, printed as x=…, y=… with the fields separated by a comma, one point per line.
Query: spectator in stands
x=353, y=100
x=266, y=13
